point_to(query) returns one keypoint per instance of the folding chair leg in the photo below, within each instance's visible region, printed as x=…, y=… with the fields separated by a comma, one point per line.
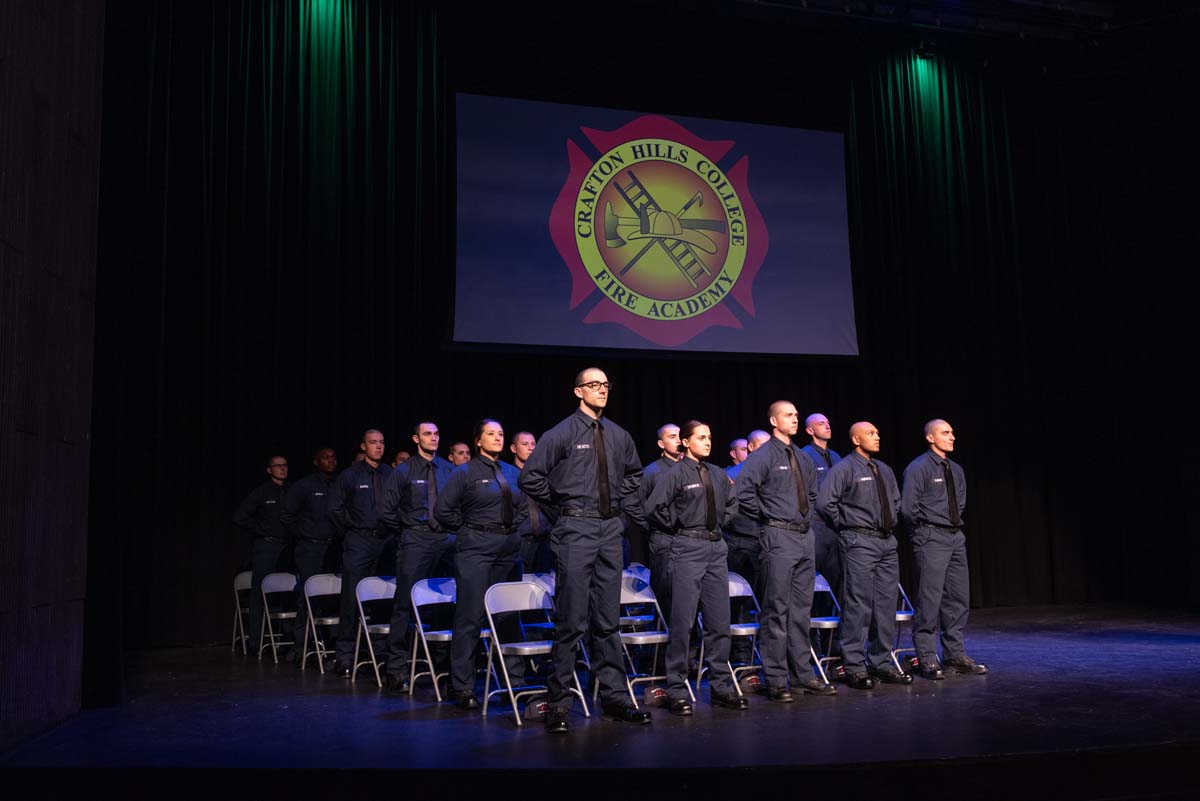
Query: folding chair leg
x=579, y=692
x=736, y=684
x=374, y=662
x=357, y=649
x=487, y=681
x=508, y=684
x=817, y=661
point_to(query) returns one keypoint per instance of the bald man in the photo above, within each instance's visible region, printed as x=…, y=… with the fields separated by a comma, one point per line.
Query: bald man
x=777, y=487
x=860, y=500
x=931, y=507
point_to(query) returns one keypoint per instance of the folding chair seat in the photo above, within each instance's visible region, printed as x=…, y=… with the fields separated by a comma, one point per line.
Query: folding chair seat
x=428, y=592
x=241, y=609
x=546, y=581
x=369, y=589
x=276, y=584
x=826, y=623
x=904, y=614
x=517, y=596
x=641, y=618
x=328, y=588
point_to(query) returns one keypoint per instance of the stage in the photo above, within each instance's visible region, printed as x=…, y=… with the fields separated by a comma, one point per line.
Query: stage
x=1082, y=702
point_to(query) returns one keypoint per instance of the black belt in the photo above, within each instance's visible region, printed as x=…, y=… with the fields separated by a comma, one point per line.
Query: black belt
x=951, y=529
x=490, y=529
x=699, y=534
x=315, y=539
x=801, y=527
x=272, y=539
x=872, y=532
x=592, y=513
x=418, y=527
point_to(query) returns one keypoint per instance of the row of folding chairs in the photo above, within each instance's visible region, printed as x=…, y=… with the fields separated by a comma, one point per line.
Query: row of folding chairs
x=642, y=624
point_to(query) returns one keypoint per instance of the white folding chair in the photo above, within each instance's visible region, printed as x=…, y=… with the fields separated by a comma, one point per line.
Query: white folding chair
x=241, y=609
x=740, y=588
x=825, y=623
x=427, y=592
x=372, y=588
x=636, y=591
x=275, y=583
x=517, y=596
x=904, y=614
x=546, y=581
x=322, y=585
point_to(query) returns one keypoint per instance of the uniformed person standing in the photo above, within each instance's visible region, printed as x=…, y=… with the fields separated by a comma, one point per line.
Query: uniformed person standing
x=669, y=453
x=739, y=449
x=355, y=510
x=777, y=487
x=535, y=525
x=827, y=553
x=483, y=503
x=860, y=500
x=305, y=517
x=745, y=551
x=408, y=502
x=687, y=507
x=258, y=516
x=588, y=467
x=932, y=504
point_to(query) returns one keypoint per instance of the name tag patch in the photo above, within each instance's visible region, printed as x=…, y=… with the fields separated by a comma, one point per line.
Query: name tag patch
x=364, y=486
x=583, y=446
x=691, y=486
x=939, y=481
x=866, y=478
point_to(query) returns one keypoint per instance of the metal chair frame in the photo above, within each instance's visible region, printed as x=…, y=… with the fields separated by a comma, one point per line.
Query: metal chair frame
x=903, y=615
x=316, y=586
x=428, y=592
x=636, y=591
x=738, y=588
x=275, y=583
x=827, y=623
x=371, y=588
x=241, y=584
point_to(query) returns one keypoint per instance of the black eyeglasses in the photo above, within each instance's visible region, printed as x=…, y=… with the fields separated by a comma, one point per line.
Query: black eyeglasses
x=595, y=386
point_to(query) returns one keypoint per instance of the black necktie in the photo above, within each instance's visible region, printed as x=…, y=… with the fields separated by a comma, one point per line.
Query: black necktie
x=951, y=495
x=377, y=488
x=601, y=471
x=801, y=491
x=535, y=517
x=885, y=508
x=710, y=502
x=828, y=458
x=506, y=510
x=431, y=493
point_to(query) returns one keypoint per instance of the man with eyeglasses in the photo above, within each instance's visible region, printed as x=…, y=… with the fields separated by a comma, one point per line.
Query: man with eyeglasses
x=408, y=502
x=588, y=468
x=258, y=516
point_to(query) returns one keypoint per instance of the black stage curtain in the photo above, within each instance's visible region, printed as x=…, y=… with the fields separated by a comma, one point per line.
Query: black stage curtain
x=276, y=267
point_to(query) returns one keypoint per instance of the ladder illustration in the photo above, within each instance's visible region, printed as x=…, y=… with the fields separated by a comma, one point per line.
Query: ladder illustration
x=679, y=252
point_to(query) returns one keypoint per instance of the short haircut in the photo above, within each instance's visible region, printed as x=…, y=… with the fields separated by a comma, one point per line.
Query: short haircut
x=774, y=408
x=734, y=443
x=932, y=424
x=370, y=431
x=275, y=456
x=317, y=452
x=659, y=433
x=579, y=376
x=417, y=427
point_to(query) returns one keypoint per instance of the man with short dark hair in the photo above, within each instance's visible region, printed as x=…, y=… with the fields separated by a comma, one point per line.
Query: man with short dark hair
x=932, y=505
x=588, y=467
x=460, y=453
x=777, y=486
x=860, y=500
x=408, y=504
x=738, y=451
x=400, y=458
x=355, y=509
x=258, y=516
x=305, y=518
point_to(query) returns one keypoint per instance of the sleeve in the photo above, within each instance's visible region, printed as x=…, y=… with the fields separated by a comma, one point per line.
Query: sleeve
x=337, y=504
x=657, y=509
x=535, y=475
x=393, y=494
x=829, y=496
x=731, y=505
x=245, y=518
x=631, y=485
x=448, y=507
x=746, y=489
x=960, y=489
x=811, y=482
x=914, y=485
x=520, y=505
x=894, y=496
x=291, y=507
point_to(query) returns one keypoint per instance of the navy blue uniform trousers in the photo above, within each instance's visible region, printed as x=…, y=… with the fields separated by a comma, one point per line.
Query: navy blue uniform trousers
x=828, y=556
x=266, y=556
x=870, y=580
x=588, y=557
x=482, y=560
x=417, y=553
x=787, y=574
x=310, y=559
x=697, y=573
x=943, y=592
x=743, y=559
x=360, y=551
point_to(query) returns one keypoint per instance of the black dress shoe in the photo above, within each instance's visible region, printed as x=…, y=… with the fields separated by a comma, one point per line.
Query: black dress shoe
x=965, y=665
x=753, y=684
x=730, y=700
x=345, y=672
x=780, y=695
x=931, y=671
x=681, y=707
x=466, y=701
x=860, y=681
x=889, y=675
x=625, y=713
x=815, y=686
x=395, y=683
x=556, y=720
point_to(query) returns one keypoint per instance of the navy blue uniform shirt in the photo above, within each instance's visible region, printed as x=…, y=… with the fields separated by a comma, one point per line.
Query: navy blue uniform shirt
x=305, y=510
x=472, y=496
x=766, y=489
x=561, y=472
x=258, y=514
x=653, y=472
x=924, y=499
x=545, y=515
x=406, y=497
x=823, y=460
x=849, y=499
x=352, y=507
x=678, y=499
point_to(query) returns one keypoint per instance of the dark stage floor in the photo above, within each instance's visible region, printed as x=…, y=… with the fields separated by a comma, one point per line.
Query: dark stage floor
x=1081, y=703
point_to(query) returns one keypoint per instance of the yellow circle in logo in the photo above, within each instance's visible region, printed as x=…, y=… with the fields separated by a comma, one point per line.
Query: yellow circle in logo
x=660, y=229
